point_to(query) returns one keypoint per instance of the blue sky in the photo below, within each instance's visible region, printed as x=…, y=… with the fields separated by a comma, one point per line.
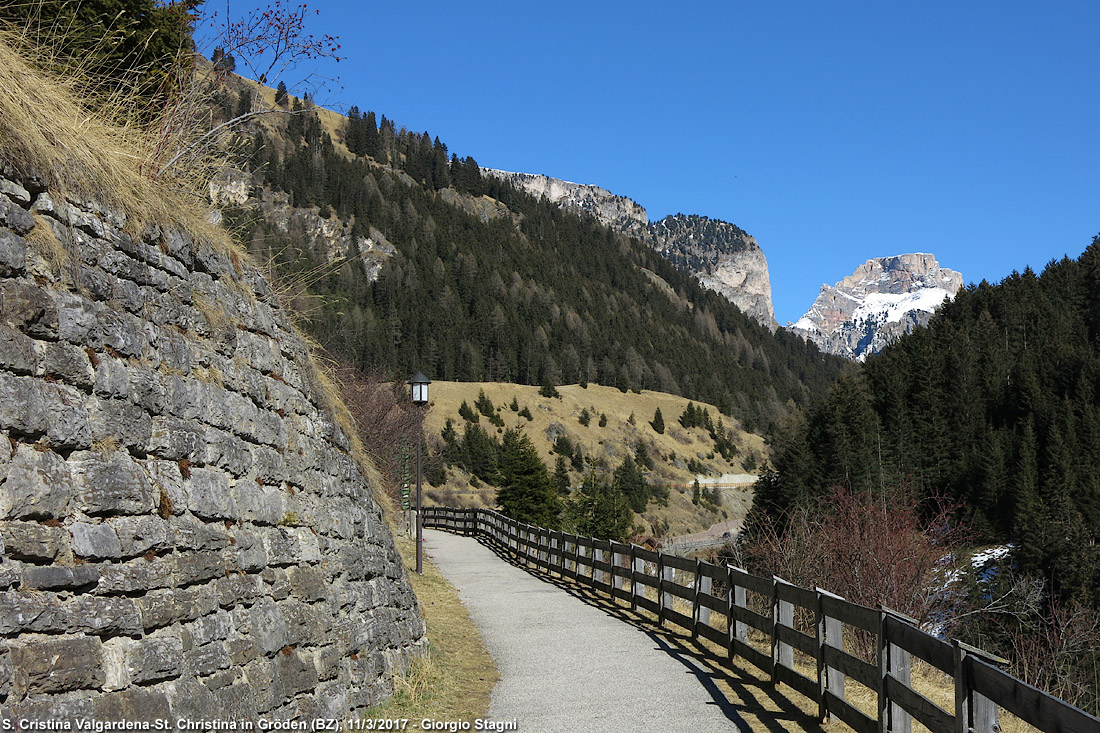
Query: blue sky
x=832, y=132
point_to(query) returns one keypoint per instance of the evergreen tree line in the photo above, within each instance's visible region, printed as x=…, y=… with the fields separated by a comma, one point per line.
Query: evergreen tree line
x=996, y=405
x=527, y=491
x=534, y=296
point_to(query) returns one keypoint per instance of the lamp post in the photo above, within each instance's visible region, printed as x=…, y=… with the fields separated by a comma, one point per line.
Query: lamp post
x=419, y=384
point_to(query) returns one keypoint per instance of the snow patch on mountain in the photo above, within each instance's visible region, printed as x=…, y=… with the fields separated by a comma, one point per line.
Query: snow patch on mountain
x=883, y=299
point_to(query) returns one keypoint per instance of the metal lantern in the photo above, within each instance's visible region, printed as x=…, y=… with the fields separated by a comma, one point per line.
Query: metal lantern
x=419, y=385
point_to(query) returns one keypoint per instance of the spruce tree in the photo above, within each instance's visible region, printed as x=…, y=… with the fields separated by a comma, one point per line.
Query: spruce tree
x=658, y=423
x=525, y=492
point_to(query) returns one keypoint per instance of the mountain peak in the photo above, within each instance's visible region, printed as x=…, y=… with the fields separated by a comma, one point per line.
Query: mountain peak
x=884, y=298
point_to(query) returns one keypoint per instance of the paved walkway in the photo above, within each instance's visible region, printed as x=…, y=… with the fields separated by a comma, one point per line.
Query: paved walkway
x=566, y=665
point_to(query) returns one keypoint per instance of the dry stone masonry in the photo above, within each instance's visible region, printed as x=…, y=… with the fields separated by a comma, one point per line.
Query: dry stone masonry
x=184, y=531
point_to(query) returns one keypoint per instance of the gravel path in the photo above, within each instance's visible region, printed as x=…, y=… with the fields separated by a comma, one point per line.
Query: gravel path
x=568, y=666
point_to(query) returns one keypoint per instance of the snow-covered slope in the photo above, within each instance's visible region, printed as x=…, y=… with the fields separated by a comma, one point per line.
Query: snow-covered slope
x=884, y=298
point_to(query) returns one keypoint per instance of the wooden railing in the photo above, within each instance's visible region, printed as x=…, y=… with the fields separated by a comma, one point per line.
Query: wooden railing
x=626, y=571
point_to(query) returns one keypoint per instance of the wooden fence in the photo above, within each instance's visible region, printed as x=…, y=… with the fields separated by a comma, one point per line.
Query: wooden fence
x=626, y=571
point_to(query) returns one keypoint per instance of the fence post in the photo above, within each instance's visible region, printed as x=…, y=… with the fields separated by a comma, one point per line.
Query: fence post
x=597, y=556
x=554, y=553
x=637, y=565
x=700, y=613
x=738, y=598
x=893, y=661
x=830, y=632
x=616, y=575
x=782, y=613
x=974, y=712
x=661, y=588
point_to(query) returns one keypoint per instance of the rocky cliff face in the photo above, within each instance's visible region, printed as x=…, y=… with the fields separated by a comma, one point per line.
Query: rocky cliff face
x=184, y=530
x=722, y=256
x=328, y=235
x=884, y=298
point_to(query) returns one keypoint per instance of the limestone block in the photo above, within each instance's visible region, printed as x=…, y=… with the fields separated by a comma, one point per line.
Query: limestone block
x=95, y=541
x=138, y=534
x=251, y=554
x=268, y=627
x=32, y=541
x=155, y=658
x=102, y=615
x=198, y=567
x=17, y=351
x=136, y=704
x=29, y=308
x=121, y=332
x=67, y=423
x=294, y=673
x=112, y=379
x=162, y=607
x=208, y=659
x=116, y=673
x=227, y=451
x=280, y=545
x=215, y=627
x=237, y=588
x=209, y=496
x=66, y=362
x=147, y=390
x=76, y=321
x=21, y=406
x=241, y=651
x=59, y=576
x=54, y=709
x=134, y=577
x=15, y=191
x=38, y=485
x=13, y=251
x=278, y=583
x=308, y=583
x=179, y=246
x=15, y=217
x=112, y=484
x=186, y=398
x=22, y=613
x=189, y=533
x=174, y=439
x=306, y=624
x=167, y=479
x=257, y=503
x=57, y=665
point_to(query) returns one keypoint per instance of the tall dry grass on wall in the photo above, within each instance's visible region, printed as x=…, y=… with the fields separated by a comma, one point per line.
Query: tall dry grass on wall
x=104, y=147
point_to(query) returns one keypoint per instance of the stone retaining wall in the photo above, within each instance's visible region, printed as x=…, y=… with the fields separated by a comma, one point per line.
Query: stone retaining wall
x=184, y=532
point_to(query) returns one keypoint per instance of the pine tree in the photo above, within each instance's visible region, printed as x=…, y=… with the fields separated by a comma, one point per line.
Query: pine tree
x=658, y=423
x=561, y=476
x=599, y=510
x=281, y=97
x=525, y=492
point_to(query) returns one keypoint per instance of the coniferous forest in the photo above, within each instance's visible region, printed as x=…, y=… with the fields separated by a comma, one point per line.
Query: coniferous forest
x=528, y=293
x=996, y=404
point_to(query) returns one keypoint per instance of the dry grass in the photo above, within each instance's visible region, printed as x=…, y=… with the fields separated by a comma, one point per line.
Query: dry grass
x=608, y=444
x=79, y=151
x=457, y=678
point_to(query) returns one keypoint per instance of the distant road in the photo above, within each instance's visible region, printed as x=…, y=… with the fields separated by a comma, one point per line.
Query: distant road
x=566, y=665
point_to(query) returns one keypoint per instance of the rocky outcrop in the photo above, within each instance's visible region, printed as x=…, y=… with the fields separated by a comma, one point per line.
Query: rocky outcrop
x=185, y=532
x=885, y=298
x=327, y=235
x=722, y=256
x=617, y=212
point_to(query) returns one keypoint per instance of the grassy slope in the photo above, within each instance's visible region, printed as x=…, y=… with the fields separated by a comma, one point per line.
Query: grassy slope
x=610, y=443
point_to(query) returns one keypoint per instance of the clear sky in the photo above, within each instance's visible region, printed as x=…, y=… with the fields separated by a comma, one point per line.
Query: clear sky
x=831, y=131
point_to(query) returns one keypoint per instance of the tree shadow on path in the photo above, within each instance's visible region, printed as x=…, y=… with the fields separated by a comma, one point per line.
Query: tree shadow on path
x=744, y=694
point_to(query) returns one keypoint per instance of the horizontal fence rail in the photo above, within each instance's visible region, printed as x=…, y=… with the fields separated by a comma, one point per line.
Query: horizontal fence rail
x=770, y=607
